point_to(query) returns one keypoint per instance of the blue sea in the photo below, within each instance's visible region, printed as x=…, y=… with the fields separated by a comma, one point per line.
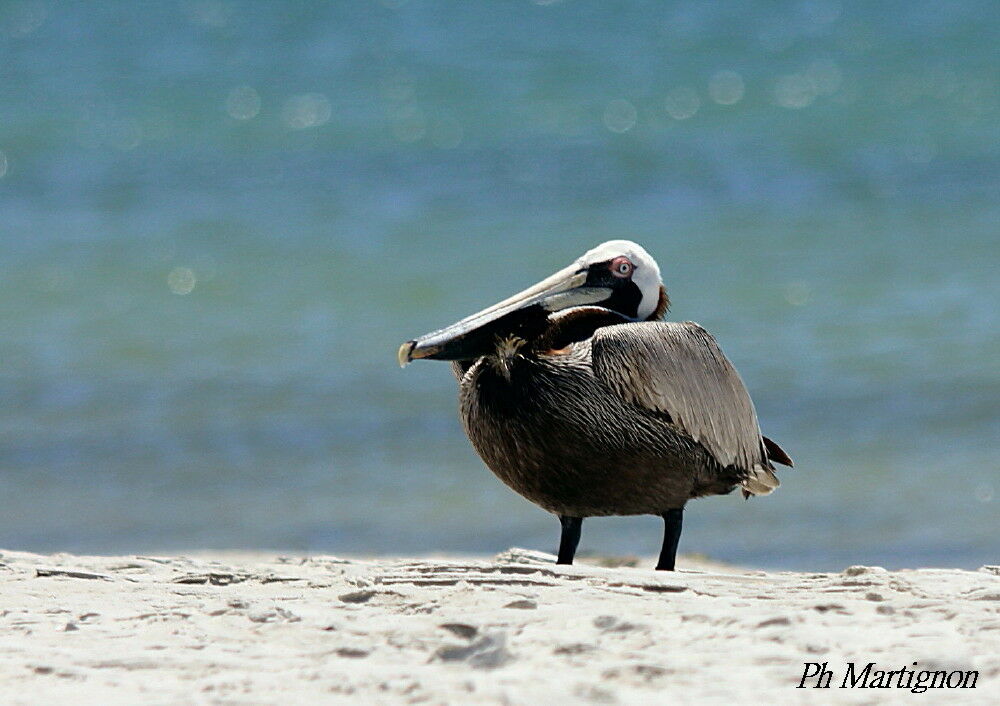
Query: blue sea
x=219, y=219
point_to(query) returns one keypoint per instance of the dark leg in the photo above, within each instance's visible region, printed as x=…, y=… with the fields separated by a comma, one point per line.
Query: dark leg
x=672, y=521
x=569, y=539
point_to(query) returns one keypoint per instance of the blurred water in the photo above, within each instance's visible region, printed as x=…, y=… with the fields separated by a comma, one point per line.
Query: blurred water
x=219, y=219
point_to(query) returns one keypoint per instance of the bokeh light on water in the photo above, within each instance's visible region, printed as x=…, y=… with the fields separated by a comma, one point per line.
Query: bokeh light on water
x=220, y=218
x=726, y=87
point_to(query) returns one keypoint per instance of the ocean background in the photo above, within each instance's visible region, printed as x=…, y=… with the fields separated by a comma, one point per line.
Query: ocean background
x=219, y=220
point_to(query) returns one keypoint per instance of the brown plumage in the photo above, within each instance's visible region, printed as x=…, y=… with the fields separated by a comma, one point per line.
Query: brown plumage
x=663, y=429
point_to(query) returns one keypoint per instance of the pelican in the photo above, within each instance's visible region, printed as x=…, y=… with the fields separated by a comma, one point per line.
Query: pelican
x=578, y=396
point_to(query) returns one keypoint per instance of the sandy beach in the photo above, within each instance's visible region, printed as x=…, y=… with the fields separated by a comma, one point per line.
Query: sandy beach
x=514, y=629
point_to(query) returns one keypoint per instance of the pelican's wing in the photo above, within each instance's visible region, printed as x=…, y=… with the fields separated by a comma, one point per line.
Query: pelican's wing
x=678, y=369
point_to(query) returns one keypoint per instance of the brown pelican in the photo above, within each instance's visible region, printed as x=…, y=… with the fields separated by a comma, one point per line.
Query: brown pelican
x=579, y=397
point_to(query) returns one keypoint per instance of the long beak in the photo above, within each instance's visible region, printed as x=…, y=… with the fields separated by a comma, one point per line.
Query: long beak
x=476, y=335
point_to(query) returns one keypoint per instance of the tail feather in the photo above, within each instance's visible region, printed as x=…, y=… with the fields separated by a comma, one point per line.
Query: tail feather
x=776, y=453
x=761, y=481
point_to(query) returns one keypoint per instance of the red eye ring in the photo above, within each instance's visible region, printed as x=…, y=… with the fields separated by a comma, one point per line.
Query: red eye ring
x=621, y=266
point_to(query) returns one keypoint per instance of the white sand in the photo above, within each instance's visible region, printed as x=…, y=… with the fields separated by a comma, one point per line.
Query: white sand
x=515, y=629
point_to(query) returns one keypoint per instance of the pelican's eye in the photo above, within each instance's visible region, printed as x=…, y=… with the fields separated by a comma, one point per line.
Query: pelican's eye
x=621, y=267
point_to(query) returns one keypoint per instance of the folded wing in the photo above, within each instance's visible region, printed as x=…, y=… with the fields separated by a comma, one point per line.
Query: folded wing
x=678, y=369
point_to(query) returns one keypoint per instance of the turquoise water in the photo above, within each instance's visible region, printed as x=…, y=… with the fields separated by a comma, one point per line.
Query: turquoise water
x=219, y=220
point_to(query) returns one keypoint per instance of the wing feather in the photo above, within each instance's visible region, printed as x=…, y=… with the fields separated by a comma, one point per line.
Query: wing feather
x=678, y=369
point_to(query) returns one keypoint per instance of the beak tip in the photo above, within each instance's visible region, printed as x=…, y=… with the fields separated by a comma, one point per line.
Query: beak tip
x=404, y=355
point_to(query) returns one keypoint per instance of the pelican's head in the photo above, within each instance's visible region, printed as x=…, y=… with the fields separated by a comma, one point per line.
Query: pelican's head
x=618, y=275
x=629, y=273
